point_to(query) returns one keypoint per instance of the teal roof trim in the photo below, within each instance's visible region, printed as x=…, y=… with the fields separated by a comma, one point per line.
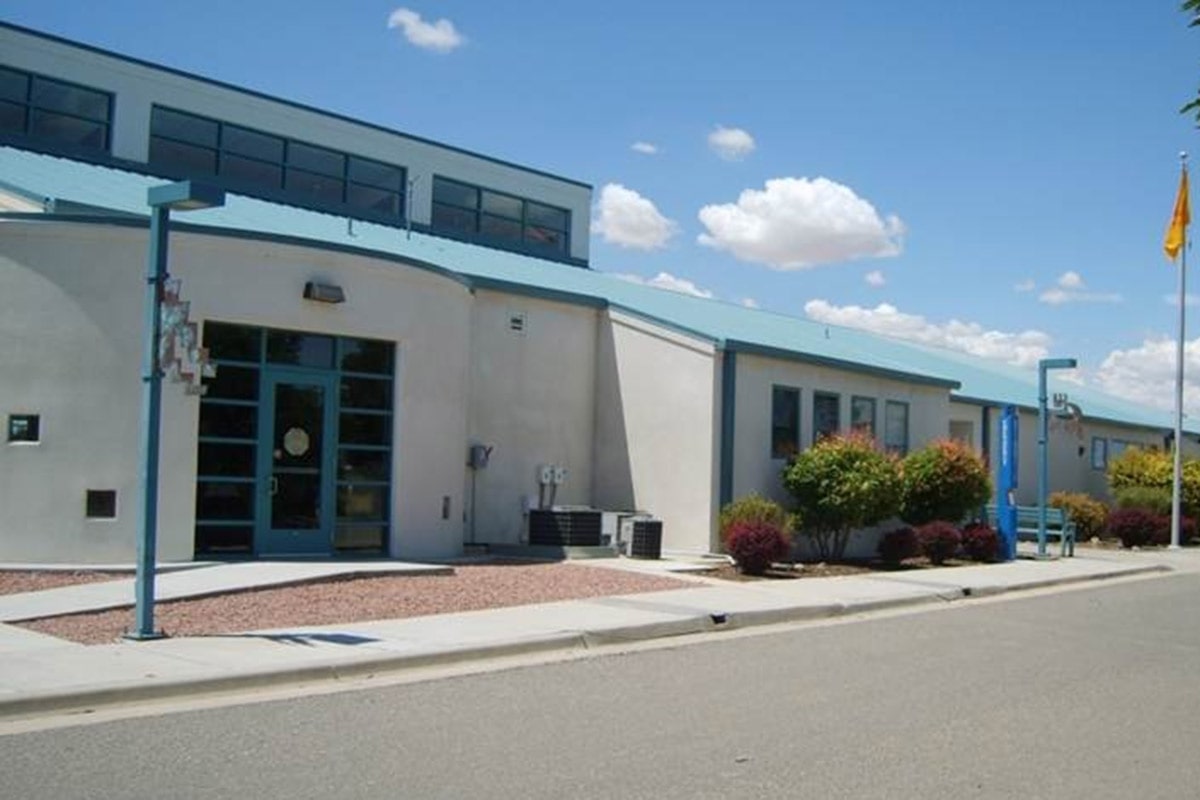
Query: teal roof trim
x=751, y=348
x=536, y=292
x=78, y=185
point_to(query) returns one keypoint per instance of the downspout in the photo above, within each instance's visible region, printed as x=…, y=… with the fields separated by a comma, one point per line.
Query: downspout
x=728, y=394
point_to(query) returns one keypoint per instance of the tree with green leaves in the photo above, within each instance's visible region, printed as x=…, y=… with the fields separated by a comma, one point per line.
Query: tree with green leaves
x=1192, y=9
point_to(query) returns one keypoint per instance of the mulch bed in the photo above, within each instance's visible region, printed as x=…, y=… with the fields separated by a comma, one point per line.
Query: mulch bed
x=823, y=570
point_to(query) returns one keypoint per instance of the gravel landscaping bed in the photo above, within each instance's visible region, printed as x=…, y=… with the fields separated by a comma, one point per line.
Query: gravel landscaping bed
x=470, y=588
x=19, y=581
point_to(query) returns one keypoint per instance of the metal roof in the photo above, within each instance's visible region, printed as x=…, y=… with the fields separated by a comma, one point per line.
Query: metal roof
x=68, y=184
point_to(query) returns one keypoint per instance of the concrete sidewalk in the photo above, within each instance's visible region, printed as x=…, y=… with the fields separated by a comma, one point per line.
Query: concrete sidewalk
x=40, y=674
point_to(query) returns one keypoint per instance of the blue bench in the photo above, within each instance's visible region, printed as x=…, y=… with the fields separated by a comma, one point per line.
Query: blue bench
x=1059, y=525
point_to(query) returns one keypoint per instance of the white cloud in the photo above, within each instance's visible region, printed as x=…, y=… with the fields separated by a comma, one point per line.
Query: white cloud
x=645, y=148
x=440, y=36
x=731, y=144
x=665, y=280
x=749, y=302
x=1026, y=285
x=875, y=278
x=1146, y=374
x=1070, y=280
x=1072, y=289
x=1022, y=349
x=627, y=219
x=795, y=223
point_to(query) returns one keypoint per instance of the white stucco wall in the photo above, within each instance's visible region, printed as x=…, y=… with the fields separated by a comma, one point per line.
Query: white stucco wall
x=754, y=468
x=136, y=87
x=963, y=416
x=657, y=437
x=532, y=400
x=72, y=325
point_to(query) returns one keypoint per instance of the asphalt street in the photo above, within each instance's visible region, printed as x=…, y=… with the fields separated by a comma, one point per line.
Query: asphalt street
x=1088, y=693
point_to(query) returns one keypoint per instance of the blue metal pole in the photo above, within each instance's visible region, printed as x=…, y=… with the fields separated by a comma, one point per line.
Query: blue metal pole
x=147, y=543
x=1043, y=458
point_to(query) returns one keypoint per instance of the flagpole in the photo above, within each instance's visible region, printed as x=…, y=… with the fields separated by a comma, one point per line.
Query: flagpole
x=1177, y=472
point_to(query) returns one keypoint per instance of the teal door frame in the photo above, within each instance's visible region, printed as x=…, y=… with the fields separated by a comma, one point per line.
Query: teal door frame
x=270, y=540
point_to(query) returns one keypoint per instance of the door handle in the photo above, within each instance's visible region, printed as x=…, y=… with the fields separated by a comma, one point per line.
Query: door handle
x=274, y=486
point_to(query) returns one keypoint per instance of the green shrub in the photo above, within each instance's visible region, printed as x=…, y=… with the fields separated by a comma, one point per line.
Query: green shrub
x=944, y=481
x=842, y=483
x=1140, y=467
x=1155, y=499
x=1088, y=513
x=755, y=508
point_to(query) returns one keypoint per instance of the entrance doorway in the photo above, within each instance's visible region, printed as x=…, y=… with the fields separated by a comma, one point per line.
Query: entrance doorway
x=294, y=447
x=294, y=464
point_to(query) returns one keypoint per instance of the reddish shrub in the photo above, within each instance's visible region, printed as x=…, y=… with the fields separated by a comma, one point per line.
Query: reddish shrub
x=939, y=541
x=1162, y=533
x=1135, y=527
x=754, y=544
x=980, y=542
x=897, y=545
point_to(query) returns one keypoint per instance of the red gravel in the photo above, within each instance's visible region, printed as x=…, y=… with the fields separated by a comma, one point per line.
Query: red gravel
x=470, y=588
x=17, y=582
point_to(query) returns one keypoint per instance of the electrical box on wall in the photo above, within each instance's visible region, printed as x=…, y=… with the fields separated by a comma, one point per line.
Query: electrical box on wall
x=478, y=456
x=545, y=475
x=560, y=475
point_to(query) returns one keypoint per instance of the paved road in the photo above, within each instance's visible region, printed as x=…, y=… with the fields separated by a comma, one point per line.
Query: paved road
x=1089, y=693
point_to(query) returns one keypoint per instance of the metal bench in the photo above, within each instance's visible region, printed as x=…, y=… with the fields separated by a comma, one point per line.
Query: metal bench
x=1059, y=525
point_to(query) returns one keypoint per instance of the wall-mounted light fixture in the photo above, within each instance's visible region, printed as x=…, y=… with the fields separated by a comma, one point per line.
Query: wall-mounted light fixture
x=324, y=292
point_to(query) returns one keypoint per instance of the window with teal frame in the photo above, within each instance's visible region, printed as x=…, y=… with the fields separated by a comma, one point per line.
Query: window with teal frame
x=465, y=211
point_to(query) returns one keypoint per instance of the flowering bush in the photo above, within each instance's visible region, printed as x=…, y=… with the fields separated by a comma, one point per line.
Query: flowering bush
x=842, y=483
x=755, y=544
x=897, y=545
x=1088, y=513
x=945, y=480
x=1135, y=527
x=980, y=542
x=939, y=541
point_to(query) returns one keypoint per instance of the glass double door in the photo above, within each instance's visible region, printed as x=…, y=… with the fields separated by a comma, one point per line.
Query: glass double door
x=297, y=445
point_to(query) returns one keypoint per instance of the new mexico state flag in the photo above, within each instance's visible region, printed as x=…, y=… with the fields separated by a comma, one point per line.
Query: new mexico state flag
x=1179, y=220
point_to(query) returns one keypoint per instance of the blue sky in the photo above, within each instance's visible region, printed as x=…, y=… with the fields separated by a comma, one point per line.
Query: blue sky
x=991, y=177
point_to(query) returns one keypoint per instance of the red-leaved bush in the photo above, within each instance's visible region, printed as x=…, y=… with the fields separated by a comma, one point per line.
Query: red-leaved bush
x=939, y=541
x=755, y=544
x=1162, y=533
x=897, y=545
x=1135, y=527
x=980, y=542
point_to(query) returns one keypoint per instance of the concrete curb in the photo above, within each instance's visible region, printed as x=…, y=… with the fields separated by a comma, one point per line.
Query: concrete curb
x=88, y=698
